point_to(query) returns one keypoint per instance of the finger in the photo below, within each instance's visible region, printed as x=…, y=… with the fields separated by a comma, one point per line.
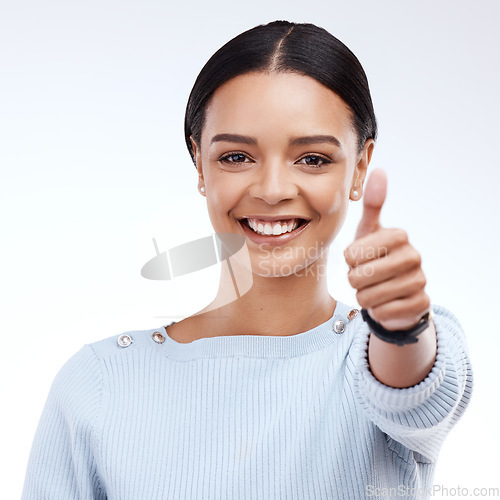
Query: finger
x=375, y=245
x=399, y=287
x=376, y=271
x=401, y=314
x=373, y=199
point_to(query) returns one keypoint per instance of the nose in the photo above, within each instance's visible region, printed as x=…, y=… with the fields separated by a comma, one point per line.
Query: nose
x=273, y=183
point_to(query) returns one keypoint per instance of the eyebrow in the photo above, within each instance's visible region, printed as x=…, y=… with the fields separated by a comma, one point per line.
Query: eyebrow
x=296, y=141
x=244, y=139
x=315, y=139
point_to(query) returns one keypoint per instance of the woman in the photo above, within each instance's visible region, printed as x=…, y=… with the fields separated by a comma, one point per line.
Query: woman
x=275, y=389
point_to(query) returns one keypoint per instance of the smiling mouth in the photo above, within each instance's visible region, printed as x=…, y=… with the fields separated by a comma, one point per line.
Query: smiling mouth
x=273, y=228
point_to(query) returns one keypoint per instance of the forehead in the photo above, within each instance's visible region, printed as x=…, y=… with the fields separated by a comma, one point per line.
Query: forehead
x=264, y=103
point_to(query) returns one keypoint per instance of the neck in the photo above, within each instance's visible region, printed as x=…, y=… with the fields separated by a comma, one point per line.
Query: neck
x=253, y=304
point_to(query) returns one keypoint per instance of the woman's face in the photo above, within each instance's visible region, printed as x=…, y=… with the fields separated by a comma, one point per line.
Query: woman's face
x=279, y=147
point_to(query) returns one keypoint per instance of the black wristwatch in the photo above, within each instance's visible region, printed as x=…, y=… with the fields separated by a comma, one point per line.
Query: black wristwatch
x=399, y=337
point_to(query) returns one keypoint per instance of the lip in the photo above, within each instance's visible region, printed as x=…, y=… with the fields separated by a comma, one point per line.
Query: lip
x=282, y=239
x=274, y=218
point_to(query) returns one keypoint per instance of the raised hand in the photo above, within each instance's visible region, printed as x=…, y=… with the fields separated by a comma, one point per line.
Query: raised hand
x=384, y=267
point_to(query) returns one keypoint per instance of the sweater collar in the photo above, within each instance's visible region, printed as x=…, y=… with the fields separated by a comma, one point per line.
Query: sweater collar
x=263, y=346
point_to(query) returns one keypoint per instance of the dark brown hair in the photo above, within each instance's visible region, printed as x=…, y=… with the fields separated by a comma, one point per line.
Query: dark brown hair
x=285, y=46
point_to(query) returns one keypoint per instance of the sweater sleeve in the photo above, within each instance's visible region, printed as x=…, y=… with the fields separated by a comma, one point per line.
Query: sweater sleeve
x=61, y=464
x=421, y=416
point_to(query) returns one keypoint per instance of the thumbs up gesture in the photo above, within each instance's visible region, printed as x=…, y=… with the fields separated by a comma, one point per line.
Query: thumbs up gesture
x=384, y=267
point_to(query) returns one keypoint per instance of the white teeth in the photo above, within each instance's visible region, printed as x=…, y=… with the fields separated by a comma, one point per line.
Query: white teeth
x=275, y=229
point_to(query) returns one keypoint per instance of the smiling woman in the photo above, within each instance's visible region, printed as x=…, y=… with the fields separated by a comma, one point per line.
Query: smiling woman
x=282, y=391
x=288, y=183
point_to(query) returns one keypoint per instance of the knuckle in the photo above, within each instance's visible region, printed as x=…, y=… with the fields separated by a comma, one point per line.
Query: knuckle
x=401, y=236
x=426, y=302
x=412, y=257
x=416, y=257
x=421, y=279
x=361, y=298
x=422, y=304
x=348, y=255
x=351, y=278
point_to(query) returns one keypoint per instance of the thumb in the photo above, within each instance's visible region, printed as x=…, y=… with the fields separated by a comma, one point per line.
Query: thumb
x=373, y=199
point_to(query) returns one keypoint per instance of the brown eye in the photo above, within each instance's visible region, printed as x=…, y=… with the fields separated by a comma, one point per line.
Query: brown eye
x=314, y=160
x=233, y=158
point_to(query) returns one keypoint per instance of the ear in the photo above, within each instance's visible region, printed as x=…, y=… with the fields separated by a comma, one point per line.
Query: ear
x=197, y=156
x=361, y=167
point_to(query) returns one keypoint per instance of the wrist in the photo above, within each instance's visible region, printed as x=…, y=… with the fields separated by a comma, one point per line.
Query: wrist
x=399, y=337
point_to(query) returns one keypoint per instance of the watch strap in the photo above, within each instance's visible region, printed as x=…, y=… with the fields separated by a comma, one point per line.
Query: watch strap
x=399, y=337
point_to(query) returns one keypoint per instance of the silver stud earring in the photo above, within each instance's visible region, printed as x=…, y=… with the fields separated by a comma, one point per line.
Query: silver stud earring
x=355, y=194
x=202, y=189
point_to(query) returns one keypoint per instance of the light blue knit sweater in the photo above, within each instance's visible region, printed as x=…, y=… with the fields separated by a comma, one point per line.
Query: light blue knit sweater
x=245, y=417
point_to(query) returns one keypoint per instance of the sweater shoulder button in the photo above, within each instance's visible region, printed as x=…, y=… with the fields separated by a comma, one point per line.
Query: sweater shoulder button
x=339, y=326
x=158, y=337
x=124, y=340
x=352, y=314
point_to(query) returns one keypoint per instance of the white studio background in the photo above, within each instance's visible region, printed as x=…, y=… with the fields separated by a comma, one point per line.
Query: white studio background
x=94, y=165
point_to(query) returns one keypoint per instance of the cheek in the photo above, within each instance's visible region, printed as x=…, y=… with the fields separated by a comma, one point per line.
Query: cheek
x=331, y=201
x=221, y=197
x=332, y=205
